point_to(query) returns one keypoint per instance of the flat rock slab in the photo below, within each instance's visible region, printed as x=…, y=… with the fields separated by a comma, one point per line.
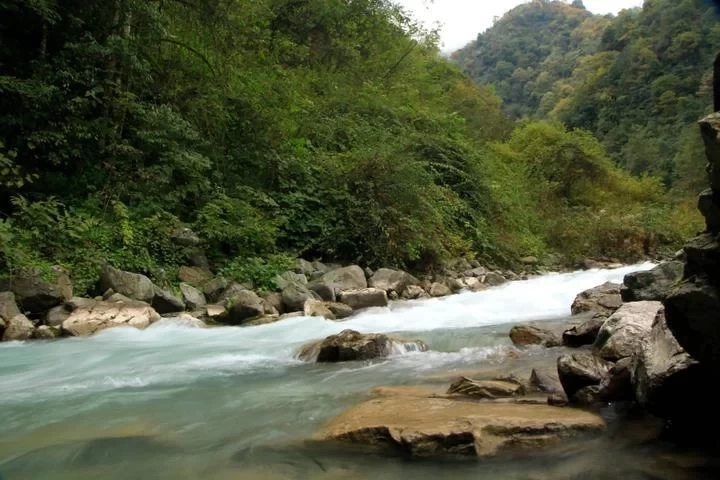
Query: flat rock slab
x=446, y=427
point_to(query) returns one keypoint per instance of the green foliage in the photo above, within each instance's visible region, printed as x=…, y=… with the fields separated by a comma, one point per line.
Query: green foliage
x=260, y=272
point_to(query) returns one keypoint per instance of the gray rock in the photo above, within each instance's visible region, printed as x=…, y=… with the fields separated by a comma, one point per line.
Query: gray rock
x=585, y=333
x=243, y=306
x=709, y=206
x=317, y=308
x=325, y=292
x=132, y=285
x=414, y=292
x=474, y=284
x=653, y=285
x=392, y=280
x=275, y=300
x=524, y=335
x=546, y=381
x=439, y=290
x=185, y=237
x=286, y=279
x=214, y=288
x=232, y=290
x=18, y=328
x=195, y=276
x=57, y=315
x=703, y=257
x=93, y=316
x=603, y=299
x=581, y=370
x=340, y=310
x=494, y=279
x=166, y=302
x=710, y=127
x=368, y=272
x=295, y=296
x=46, y=332
x=352, y=346
x=303, y=267
x=622, y=334
x=197, y=258
x=393, y=295
x=320, y=267
x=8, y=306
x=587, y=396
x=194, y=298
x=37, y=291
x=617, y=385
x=345, y=278
x=364, y=298
x=454, y=284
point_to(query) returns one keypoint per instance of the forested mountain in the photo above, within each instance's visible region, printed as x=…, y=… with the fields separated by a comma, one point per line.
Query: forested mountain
x=276, y=128
x=638, y=81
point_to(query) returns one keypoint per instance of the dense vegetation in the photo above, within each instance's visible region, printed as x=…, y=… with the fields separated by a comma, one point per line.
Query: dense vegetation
x=638, y=81
x=276, y=128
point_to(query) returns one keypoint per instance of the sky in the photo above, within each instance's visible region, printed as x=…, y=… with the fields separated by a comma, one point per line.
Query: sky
x=462, y=20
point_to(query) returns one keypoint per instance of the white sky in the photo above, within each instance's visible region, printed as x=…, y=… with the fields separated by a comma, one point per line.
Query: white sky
x=462, y=20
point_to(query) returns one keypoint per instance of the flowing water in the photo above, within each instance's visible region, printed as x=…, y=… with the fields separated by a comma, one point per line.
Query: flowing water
x=173, y=402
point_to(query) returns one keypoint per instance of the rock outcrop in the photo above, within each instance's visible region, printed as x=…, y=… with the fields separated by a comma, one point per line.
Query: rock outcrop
x=524, y=335
x=132, y=285
x=294, y=297
x=18, y=328
x=603, y=299
x=622, y=334
x=92, y=316
x=345, y=278
x=581, y=370
x=427, y=427
x=652, y=285
x=350, y=345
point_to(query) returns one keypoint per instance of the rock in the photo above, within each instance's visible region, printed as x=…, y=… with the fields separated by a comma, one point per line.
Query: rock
x=166, y=302
x=368, y=272
x=303, y=266
x=340, y=310
x=46, y=332
x=478, y=272
x=393, y=295
x=424, y=427
x=590, y=264
x=529, y=260
x=317, y=308
x=93, y=316
x=413, y=292
x=546, y=381
x=118, y=297
x=243, y=306
x=473, y=284
x=346, y=278
x=524, y=335
x=709, y=127
x=232, y=290
x=587, y=396
x=703, y=257
x=8, y=306
x=350, y=345
x=603, y=299
x=286, y=316
x=185, y=237
x=18, y=328
x=286, y=279
x=708, y=204
x=558, y=400
x=295, y=296
x=617, y=385
x=392, y=280
x=486, y=388
x=364, y=298
x=454, y=284
x=183, y=319
x=494, y=279
x=621, y=335
x=275, y=300
x=268, y=309
x=132, y=285
x=653, y=285
x=212, y=289
x=323, y=291
x=197, y=258
x=195, y=276
x=439, y=290
x=213, y=312
x=585, y=333
x=194, y=298
x=37, y=291
x=667, y=381
x=57, y=315
x=692, y=312
x=581, y=370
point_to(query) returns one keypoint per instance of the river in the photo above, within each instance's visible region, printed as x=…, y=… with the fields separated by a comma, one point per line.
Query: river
x=174, y=402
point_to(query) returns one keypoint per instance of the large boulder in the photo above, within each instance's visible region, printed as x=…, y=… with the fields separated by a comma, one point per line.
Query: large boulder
x=604, y=299
x=185, y=237
x=243, y=306
x=524, y=335
x=132, y=285
x=652, y=285
x=275, y=300
x=425, y=427
x=413, y=292
x=494, y=279
x=193, y=298
x=709, y=206
x=18, y=328
x=212, y=289
x=392, y=280
x=294, y=297
x=364, y=298
x=438, y=289
x=584, y=334
x=350, y=345
x=195, y=276
x=345, y=278
x=667, y=381
x=37, y=291
x=8, y=306
x=57, y=315
x=622, y=334
x=166, y=302
x=93, y=316
x=545, y=380
x=317, y=308
x=290, y=278
x=323, y=291
x=581, y=370
x=693, y=316
x=340, y=310
x=490, y=389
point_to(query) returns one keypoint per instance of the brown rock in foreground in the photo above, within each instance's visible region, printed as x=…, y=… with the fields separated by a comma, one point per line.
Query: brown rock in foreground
x=486, y=388
x=445, y=427
x=523, y=335
x=603, y=299
x=350, y=345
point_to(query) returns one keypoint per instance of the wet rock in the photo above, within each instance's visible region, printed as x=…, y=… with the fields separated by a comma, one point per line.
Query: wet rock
x=194, y=298
x=317, y=308
x=364, y=298
x=494, y=279
x=585, y=333
x=524, y=335
x=166, y=302
x=295, y=296
x=46, y=332
x=439, y=290
x=323, y=291
x=617, y=385
x=546, y=381
x=18, y=328
x=132, y=285
x=264, y=320
x=241, y=307
x=213, y=288
x=414, y=292
x=604, y=299
x=275, y=300
x=350, y=345
x=692, y=312
x=183, y=319
x=392, y=280
x=340, y=310
x=92, y=316
x=653, y=285
x=703, y=257
x=345, y=278
x=581, y=370
x=621, y=335
x=486, y=388
x=587, y=396
x=426, y=427
x=37, y=291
